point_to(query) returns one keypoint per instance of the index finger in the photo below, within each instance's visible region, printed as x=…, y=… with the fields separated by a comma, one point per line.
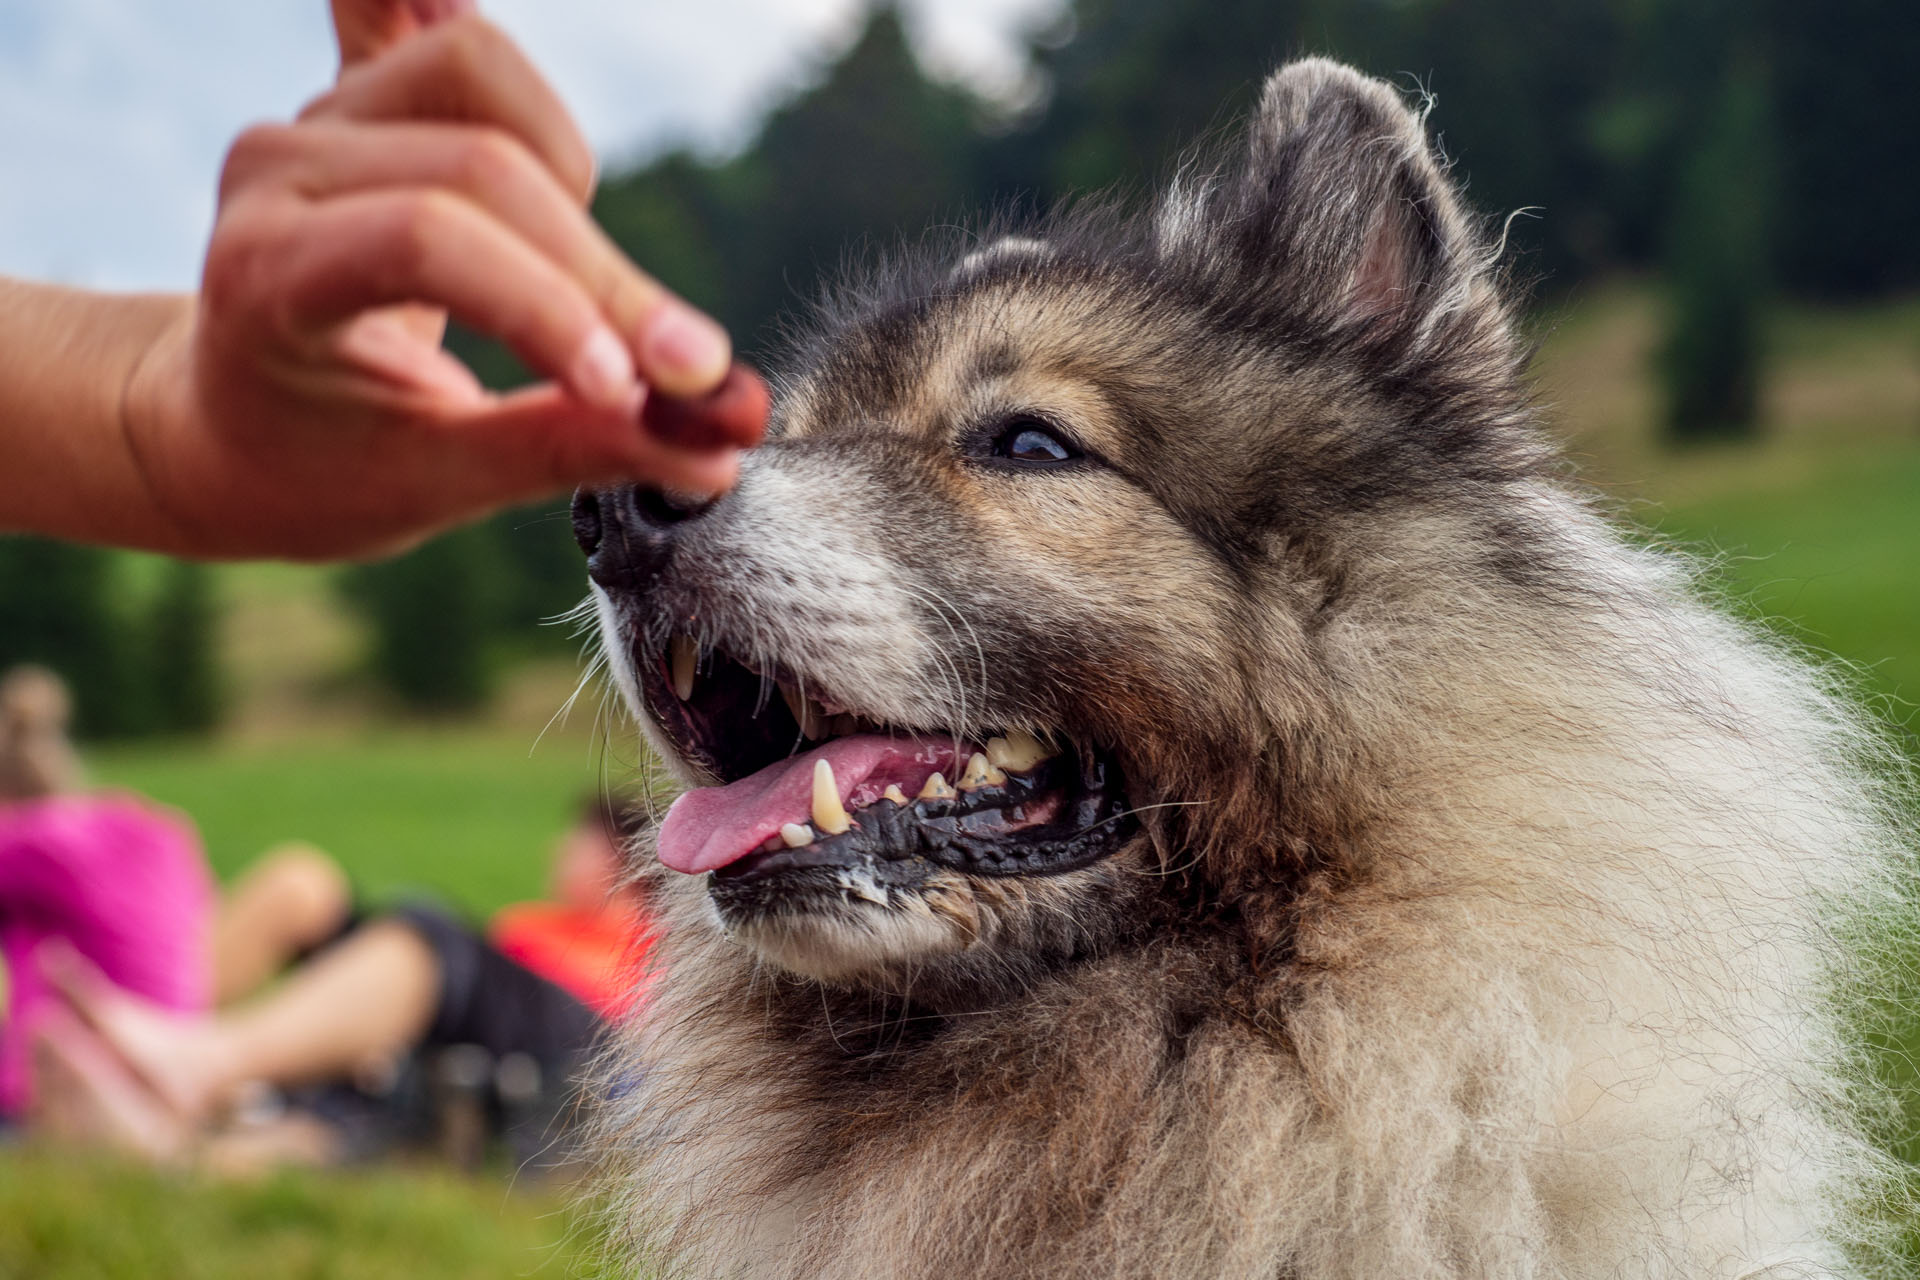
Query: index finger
x=368, y=28
x=465, y=71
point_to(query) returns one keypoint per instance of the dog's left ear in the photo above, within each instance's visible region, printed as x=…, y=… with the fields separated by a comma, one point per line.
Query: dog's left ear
x=1341, y=213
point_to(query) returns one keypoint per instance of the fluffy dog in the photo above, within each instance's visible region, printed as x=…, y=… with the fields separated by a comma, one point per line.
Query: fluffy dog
x=1349, y=855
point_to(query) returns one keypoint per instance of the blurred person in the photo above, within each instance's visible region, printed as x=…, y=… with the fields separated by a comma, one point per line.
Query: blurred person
x=122, y=881
x=373, y=999
x=300, y=404
x=36, y=759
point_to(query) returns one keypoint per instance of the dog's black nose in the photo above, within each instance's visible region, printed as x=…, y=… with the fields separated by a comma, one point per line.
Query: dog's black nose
x=586, y=520
x=628, y=531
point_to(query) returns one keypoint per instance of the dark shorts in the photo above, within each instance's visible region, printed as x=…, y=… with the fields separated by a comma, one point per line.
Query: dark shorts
x=496, y=1003
x=492, y=1014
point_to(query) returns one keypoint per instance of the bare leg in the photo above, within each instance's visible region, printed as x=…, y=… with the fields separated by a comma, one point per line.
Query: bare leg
x=364, y=1000
x=292, y=898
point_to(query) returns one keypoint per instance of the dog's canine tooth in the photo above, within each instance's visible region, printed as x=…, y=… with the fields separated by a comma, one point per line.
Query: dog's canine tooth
x=894, y=794
x=979, y=773
x=828, y=813
x=1018, y=752
x=796, y=835
x=812, y=723
x=684, y=656
x=937, y=788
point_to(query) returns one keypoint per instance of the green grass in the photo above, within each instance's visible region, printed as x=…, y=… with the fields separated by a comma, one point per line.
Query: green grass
x=465, y=815
x=1829, y=552
x=64, y=1217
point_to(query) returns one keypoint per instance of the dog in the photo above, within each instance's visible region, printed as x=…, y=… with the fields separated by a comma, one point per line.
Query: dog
x=1183, y=784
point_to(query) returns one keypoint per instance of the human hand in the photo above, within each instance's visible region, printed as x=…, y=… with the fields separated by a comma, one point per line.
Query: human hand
x=305, y=407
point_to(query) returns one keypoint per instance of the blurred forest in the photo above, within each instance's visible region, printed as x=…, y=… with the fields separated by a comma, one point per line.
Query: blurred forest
x=1740, y=151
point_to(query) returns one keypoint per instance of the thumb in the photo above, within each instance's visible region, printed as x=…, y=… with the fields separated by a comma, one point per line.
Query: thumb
x=536, y=440
x=368, y=28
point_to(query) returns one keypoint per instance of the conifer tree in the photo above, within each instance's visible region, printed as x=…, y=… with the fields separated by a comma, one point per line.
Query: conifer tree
x=1717, y=269
x=430, y=610
x=182, y=658
x=58, y=607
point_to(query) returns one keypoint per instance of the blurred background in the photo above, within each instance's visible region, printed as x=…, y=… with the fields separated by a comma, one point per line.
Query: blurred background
x=1716, y=202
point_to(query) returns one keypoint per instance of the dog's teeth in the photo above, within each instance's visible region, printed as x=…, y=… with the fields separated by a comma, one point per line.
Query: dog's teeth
x=828, y=813
x=979, y=773
x=845, y=724
x=1018, y=752
x=894, y=794
x=796, y=835
x=685, y=656
x=936, y=789
x=812, y=724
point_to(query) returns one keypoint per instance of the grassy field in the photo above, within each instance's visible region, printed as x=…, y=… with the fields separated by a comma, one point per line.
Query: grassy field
x=465, y=814
x=1815, y=526
x=76, y=1218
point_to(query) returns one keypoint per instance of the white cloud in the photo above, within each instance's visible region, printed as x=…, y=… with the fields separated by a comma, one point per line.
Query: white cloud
x=114, y=114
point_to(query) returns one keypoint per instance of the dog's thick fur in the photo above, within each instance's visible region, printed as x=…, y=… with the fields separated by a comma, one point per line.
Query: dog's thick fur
x=1492, y=891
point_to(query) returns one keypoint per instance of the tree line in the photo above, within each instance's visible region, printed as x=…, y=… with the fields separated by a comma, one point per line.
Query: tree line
x=141, y=656
x=1737, y=148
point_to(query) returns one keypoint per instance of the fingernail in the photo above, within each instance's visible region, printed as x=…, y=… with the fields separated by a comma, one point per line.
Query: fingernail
x=602, y=372
x=681, y=340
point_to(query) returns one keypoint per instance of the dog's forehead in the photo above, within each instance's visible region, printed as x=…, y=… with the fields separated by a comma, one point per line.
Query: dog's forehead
x=1030, y=339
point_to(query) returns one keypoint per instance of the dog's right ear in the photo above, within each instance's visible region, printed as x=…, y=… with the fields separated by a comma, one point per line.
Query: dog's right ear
x=1340, y=212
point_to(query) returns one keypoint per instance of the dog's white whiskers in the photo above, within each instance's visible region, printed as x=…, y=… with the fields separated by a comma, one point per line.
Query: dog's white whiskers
x=594, y=662
x=949, y=615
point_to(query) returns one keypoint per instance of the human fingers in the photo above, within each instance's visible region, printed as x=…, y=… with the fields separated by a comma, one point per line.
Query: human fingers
x=675, y=348
x=537, y=440
x=310, y=267
x=365, y=28
x=465, y=70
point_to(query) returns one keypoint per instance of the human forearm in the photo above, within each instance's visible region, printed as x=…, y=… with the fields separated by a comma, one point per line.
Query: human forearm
x=66, y=359
x=301, y=404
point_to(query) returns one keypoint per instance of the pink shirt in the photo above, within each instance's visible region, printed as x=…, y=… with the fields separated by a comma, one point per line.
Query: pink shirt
x=122, y=880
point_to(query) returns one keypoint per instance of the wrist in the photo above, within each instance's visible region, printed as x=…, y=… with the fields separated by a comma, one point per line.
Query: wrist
x=155, y=420
x=67, y=361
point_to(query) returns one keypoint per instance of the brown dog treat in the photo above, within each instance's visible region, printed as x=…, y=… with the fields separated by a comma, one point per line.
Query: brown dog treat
x=734, y=413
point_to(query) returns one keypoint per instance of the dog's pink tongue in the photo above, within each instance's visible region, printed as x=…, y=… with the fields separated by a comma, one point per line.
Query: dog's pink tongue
x=713, y=826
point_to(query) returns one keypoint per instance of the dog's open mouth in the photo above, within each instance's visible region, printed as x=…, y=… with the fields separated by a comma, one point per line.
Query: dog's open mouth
x=806, y=784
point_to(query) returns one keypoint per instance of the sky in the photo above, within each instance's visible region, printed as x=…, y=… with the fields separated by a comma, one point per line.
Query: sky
x=114, y=114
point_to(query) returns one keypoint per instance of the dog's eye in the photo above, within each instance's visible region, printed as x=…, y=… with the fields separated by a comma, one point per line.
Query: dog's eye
x=1031, y=440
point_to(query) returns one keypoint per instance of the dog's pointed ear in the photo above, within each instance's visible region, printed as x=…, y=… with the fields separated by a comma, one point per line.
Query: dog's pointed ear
x=1341, y=212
